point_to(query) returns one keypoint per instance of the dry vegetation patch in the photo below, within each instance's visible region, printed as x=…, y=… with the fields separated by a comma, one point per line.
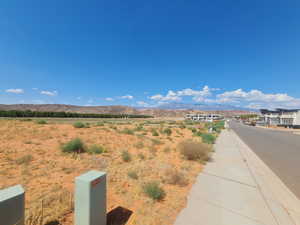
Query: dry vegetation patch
x=143, y=158
x=195, y=150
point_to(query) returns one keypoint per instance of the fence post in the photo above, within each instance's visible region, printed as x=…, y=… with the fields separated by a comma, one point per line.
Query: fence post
x=12, y=205
x=90, y=198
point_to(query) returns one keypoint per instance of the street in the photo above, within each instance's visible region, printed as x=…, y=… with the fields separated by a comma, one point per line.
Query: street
x=278, y=149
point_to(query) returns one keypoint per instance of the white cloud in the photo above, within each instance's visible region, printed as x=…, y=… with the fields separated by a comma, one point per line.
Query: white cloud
x=252, y=99
x=198, y=95
x=109, y=99
x=142, y=103
x=15, y=91
x=254, y=95
x=127, y=97
x=49, y=93
x=257, y=99
x=171, y=96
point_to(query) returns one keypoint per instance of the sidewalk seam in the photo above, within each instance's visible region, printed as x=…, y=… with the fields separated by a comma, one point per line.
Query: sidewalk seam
x=228, y=179
x=231, y=210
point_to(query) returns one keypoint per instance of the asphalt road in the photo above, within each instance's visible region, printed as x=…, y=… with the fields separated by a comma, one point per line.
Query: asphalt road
x=280, y=150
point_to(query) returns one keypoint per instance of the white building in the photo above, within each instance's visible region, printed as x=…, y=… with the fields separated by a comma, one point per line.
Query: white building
x=281, y=117
x=204, y=117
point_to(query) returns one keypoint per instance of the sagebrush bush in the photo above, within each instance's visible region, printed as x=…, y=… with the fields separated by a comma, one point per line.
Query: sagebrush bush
x=78, y=125
x=208, y=138
x=96, y=149
x=99, y=124
x=141, y=156
x=175, y=177
x=154, y=191
x=156, y=142
x=155, y=133
x=133, y=175
x=126, y=156
x=139, y=145
x=26, y=159
x=167, y=131
x=41, y=122
x=128, y=131
x=193, y=150
x=75, y=146
x=139, y=128
x=193, y=129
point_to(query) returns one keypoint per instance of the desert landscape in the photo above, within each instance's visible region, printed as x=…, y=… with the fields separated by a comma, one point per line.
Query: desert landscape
x=151, y=164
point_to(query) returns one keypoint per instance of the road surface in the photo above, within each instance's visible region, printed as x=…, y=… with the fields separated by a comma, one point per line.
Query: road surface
x=280, y=150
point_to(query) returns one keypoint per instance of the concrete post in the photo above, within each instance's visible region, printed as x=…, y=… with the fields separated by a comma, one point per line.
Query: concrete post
x=90, y=198
x=12, y=206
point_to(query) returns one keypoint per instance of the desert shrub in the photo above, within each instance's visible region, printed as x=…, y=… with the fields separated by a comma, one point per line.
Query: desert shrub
x=126, y=156
x=113, y=127
x=155, y=133
x=128, y=131
x=78, y=125
x=175, y=177
x=141, y=156
x=167, y=131
x=154, y=191
x=218, y=126
x=139, y=145
x=100, y=124
x=193, y=129
x=41, y=122
x=208, y=138
x=182, y=126
x=198, y=133
x=26, y=159
x=133, y=175
x=96, y=149
x=139, y=128
x=193, y=150
x=156, y=142
x=75, y=146
x=190, y=122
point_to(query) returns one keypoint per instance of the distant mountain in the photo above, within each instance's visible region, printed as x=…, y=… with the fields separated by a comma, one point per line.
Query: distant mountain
x=166, y=110
x=202, y=107
x=114, y=109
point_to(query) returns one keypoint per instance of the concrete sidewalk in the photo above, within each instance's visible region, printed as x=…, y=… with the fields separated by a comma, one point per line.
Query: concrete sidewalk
x=237, y=188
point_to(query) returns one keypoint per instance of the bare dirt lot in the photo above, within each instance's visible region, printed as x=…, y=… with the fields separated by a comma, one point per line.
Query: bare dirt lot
x=133, y=153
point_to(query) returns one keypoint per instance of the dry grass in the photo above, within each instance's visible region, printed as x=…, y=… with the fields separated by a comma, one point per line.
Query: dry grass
x=175, y=177
x=48, y=170
x=194, y=150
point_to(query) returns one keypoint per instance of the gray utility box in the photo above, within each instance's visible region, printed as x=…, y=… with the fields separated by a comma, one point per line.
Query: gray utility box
x=12, y=206
x=90, y=198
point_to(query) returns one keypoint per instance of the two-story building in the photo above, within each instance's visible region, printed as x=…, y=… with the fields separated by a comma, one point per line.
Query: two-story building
x=281, y=117
x=204, y=117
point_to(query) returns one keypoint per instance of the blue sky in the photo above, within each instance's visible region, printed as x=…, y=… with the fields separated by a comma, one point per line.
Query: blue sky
x=146, y=53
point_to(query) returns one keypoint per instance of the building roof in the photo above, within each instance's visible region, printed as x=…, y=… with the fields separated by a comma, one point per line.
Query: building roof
x=278, y=110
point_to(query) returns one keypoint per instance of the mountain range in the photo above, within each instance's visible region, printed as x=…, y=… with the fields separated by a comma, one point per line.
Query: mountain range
x=165, y=110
